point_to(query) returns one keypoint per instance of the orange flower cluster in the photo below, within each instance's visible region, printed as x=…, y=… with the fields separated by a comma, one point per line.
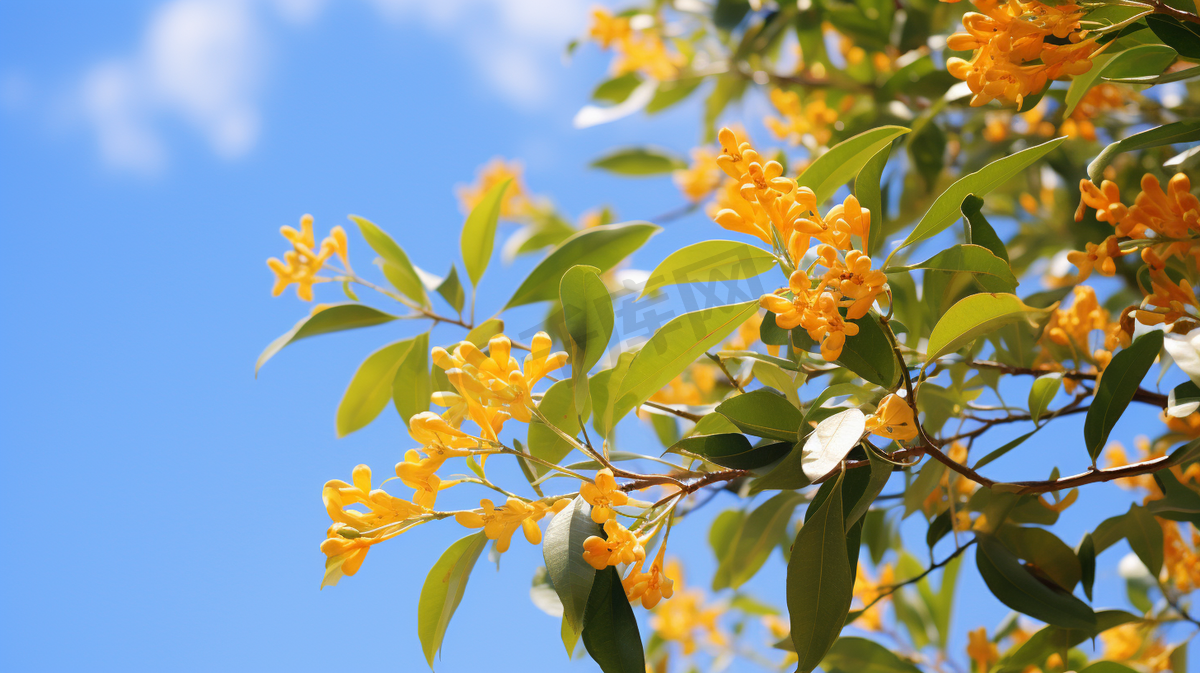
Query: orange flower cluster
x=492, y=388
x=1017, y=50
x=499, y=523
x=680, y=619
x=516, y=202
x=783, y=214
x=354, y=532
x=1099, y=98
x=702, y=177
x=867, y=591
x=1172, y=216
x=1072, y=328
x=636, y=50
x=797, y=120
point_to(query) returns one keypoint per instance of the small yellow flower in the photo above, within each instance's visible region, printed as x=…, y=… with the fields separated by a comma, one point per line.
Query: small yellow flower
x=354, y=532
x=893, y=419
x=702, y=177
x=603, y=495
x=983, y=652
x=650, y=586
x=301, y=264
x=499, y=523
x=621, y=547
x=515, y=203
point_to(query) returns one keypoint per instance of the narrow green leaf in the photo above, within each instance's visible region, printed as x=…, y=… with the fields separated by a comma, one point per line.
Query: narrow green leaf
x=1168, y=134
x=992, y=273
x=371, y=387
x=928, y=478
x=759, y=535
x=881, y=471
x=859, y=655
x=674, y=347
x=562, y=548
x=1053, y=639
x=843, y=161
x=1042, y=392
x=617, y=89
x=828, y=444
x=558, y=406
x=639, y=161
x=443, y=590
x=1087, y=564
x=819, y=586
x=980, y=231
x=945, y=209
x=1020, y=590
x=479, y=232
x=869, y=193
x=1145, y=538
x=731, y=450
x=710, y=262
x=411, y=384
x=335, y=318
x=396, y=266
x=1146, y=60
x=763, y=413
x=787, y=475
x=1116, y=388
x=1045, y=551
x=588, y=316
x=1182, y=37
x=610, y=631
x=452, y=290
x=602, y=247
x=975, y=316
x=1009, y=446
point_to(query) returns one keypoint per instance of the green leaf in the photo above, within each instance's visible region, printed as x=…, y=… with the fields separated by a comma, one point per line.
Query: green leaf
x=731, y=450
x=828, y=444
x=335, y=318
x=870, y=196
x=605, y=387
x=973, y=317
x=945, y=210
x=819, y=585
x=558, y=406
x=1020, y=590
x=788, y=474
x=1116, y=388
x=1042, y=392
x=588, y=316
x=859, y=655
x=562, y=549
x=610, y=631
x=639, y=161
x=617, y=89
x=763, y=413
x=785, y=381
x=452, y=290
x=674, y=347
x=1145, y=538
x=396, y=266
x=881, y=471
x=844, y=160
x=1052, y=639
x=869, y=353
x=1043, y=549
x=443, y=590
x=371, y=387
x=980, y=231
x=759, y=534
x=710, y=262
x=928, y=478
x=1169, y=134
x=1009, y=446
x=992, y=273
x=1087, y=564
x=1182, y=37
x=672, y=92
x=602, y=247
x=479, y=232
x=1145, y=60
x=411, y=384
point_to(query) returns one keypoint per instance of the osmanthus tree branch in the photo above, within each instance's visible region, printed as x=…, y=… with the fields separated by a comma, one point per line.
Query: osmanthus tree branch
x=1142, y=395
x=893, y=588
x=1164, y=8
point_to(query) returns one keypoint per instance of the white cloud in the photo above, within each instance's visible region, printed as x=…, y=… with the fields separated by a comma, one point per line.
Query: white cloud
x=199, y=61
x=202, y=62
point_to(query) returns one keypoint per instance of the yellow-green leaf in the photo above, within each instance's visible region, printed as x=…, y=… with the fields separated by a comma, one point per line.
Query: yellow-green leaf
x=479, y=232
x=975, y=316
x=395, y=263
x=335, y=318
x=844, y=160
x=371, y=387
x=602, y=247
x=710, y=262
x=443, y=590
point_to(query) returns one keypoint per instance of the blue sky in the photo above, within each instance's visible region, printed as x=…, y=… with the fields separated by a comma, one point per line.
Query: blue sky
x=166, y=504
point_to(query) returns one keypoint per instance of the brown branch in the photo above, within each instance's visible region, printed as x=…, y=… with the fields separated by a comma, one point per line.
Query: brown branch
x=1092, y=476
x=1163, y=8
x=1141, y=395
x=692, y=486
x=893, y=588
x=678, y=412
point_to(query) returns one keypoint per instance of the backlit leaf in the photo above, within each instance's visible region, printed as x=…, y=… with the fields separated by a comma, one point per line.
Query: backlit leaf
x=443, y=590
x=844, y=160
x=479, y=232
x=763, y=413
x=335, y=318
x=602, y=247
x=562, y=548
x=828, y=444
x=710, y=262
x=371, y=388
x=973, y=317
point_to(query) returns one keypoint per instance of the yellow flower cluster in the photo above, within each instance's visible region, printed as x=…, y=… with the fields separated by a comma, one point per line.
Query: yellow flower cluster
x=636, y=50
x=1019, y=47
x=515, y=203
x=1073, y=326
x=619, y=546
x=702, y=177
x=1136, y=643
x=353, y=532
x=1181, y=563
x=302, y=263
x=983, y=652
x=1099, y=98
x=499, y=523
x=1172, y=216
x=797, y=120
x=603, y=495
x=491, y=388
x=867, y=590
x=782, y=214
x=679, y=619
